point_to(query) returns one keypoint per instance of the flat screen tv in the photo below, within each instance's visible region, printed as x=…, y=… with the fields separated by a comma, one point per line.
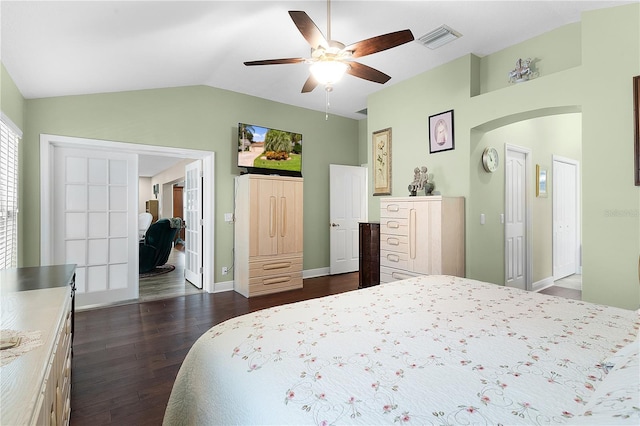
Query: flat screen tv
x=269, y=151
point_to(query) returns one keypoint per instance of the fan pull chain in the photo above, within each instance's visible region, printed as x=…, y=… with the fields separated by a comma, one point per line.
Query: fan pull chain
x=327, y=89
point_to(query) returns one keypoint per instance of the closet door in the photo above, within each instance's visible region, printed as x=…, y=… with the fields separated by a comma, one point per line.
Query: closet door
x=264, y=217
x=290, y=217
x=425, y=242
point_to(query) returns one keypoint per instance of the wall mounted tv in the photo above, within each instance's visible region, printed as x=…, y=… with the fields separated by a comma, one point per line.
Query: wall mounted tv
x=269, y=151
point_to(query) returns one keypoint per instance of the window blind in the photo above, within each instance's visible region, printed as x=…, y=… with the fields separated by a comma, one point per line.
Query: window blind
x=9, y=137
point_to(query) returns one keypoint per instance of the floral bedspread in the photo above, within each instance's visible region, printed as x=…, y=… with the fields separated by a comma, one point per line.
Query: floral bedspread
x=434, y=350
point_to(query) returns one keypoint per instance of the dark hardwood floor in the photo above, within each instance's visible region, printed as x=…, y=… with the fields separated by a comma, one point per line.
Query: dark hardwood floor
x=125, y=358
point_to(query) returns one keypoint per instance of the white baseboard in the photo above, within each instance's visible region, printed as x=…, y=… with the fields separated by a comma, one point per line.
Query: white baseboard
x=219, y=287
x=542, y=284
x=312, y=273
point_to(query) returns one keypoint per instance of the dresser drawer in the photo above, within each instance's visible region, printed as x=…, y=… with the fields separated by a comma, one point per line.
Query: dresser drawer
x=392, y=209
x=274, y=283
x=267, y=267
x=394, y=243
x=388, y=275
x=393, y=259
x=394, y=226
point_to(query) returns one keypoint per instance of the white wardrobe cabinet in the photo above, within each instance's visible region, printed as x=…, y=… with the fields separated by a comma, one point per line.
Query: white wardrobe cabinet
x=421, y=236
x=268, y=234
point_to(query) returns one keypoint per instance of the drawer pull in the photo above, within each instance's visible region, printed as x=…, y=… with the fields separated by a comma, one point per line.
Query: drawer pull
x=272, y=266
x=277, y=280
x=393, y=208
x=393, y=258
x=393, y=224
x=393, y=241
x=272, y=217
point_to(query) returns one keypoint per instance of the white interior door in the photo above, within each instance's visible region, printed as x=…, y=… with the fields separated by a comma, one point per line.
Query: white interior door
x=95, y=199
x=193, y=219
x=348, y=207
x=515, y=219
x=565, y=218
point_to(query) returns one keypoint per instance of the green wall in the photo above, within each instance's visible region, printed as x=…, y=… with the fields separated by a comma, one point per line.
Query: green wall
x=201, y=118
x=11, y=101
x=586, y=71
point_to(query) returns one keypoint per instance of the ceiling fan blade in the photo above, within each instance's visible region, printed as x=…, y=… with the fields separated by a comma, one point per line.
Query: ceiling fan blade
x=308, y=29
x=357, y=69
x=275, y=61
x=309, y=85
x=379, y=43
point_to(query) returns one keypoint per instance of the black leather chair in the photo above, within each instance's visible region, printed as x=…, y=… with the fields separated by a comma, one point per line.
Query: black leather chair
x=157, y=244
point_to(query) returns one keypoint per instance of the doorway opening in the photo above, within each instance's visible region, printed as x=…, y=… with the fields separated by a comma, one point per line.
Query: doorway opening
x=50, y=144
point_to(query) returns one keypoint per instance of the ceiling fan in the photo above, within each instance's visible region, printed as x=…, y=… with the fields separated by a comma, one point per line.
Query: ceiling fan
x=330, y=59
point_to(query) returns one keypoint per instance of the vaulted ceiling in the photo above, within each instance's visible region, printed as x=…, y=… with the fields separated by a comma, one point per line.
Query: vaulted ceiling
x=57, y=48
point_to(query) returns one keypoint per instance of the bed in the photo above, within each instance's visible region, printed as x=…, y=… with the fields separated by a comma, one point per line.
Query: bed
x=434, y=350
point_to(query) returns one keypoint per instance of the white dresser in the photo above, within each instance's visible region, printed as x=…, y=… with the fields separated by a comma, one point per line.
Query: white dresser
x=421, y=236
x=36, y=386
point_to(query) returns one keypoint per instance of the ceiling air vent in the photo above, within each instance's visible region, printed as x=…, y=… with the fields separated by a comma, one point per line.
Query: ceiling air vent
x=439, y=37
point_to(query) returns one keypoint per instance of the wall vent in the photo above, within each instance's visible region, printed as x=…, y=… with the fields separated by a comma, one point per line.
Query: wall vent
x=439, y=37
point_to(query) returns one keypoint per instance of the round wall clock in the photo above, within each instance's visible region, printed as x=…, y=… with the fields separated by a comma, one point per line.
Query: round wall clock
x=490, y=159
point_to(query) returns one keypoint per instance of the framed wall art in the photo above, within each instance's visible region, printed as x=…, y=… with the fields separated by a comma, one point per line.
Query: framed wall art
x=382, y=162
x=441, y=136
x=541, y=181
x=636, y=122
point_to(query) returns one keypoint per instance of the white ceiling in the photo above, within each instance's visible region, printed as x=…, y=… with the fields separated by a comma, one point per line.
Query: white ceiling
x=58, y=48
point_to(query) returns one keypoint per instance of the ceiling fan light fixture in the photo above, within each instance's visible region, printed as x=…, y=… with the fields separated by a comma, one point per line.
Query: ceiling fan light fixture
x=439, y=37
x=328, y=72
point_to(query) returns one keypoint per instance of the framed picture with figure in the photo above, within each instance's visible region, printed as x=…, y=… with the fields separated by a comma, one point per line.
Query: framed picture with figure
x=441, y=137
x=381, y=149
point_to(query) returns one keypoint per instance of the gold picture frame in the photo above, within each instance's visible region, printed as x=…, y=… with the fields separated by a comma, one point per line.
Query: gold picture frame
x=541, y=181
x=381, y=144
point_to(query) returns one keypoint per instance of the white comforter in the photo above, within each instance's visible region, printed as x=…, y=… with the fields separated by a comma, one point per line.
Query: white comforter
x=434, y=350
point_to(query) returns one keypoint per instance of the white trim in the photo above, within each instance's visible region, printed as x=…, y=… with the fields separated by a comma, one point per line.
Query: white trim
x=6, y=120
x=578, y=241
x=312, y=273
x=219, y=287
x=529, y=191
x=542, y=284
x=48, y=143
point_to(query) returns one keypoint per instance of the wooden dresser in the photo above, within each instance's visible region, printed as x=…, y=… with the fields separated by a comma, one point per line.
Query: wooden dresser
x=268, y=234
x=36, y=386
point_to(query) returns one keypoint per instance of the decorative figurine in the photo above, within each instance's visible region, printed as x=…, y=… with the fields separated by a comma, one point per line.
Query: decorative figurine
x=522, y=72
x=420, y=182
x=415, y=185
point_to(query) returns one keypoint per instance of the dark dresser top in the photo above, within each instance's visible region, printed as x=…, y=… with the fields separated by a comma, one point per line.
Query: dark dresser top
x=35, y=277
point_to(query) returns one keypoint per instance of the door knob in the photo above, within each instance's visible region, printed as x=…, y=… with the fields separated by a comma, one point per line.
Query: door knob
x=333, y=225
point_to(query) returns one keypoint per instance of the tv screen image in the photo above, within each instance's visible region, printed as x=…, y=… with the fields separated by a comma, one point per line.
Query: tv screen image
x=269, y=151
